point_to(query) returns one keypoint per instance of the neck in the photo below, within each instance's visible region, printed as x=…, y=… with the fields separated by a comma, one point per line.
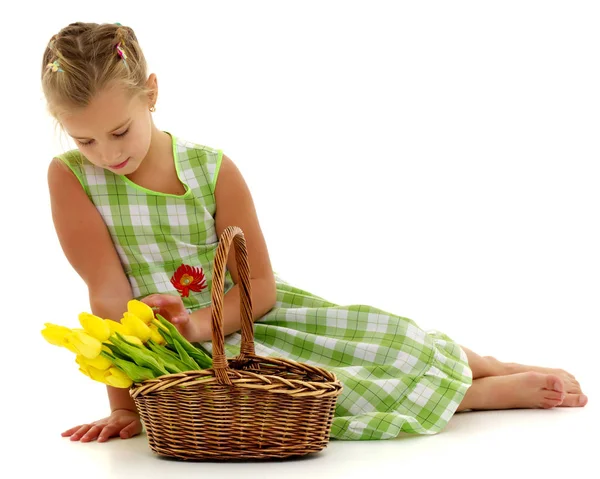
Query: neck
x=159, y=158
x=160, y=147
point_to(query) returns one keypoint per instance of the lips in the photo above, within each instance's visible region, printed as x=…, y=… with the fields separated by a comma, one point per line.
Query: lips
x=120, y=165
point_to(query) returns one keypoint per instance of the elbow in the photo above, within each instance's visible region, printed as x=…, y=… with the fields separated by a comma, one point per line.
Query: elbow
x=109, y=302
x=266, y=298
x=271, y=294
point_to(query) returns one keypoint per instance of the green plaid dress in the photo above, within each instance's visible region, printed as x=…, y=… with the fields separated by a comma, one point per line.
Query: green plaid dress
x=396, y=376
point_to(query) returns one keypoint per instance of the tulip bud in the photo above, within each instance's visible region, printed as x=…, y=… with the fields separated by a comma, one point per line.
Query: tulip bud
x=84, y=344
x=141, y=310
x=97, y=375
x=56, y=335
x=116, y=327
x=95, y=326
x=99, y=362
x=117, y=378
x=133, y=340
x=155, y=335
x=136, y=327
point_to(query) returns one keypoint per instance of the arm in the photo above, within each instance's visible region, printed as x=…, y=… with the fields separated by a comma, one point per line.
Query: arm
x=235, y=207
x=88, y=247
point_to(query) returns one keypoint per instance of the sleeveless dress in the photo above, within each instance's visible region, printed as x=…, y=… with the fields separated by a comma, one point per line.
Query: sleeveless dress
x=396, y=377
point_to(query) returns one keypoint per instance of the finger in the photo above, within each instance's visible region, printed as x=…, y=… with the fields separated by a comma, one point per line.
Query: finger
x=108, y=431
x=153, y=300
x=80, y=432
x=179, y=319
x=91, y=434
x=69, y=432
x=132, y=429
x=161, y=300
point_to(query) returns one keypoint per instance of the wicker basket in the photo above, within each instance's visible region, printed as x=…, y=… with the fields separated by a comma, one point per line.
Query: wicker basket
x=249, y=407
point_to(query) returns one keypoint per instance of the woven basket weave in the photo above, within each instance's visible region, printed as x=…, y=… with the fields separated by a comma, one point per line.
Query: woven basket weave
x=248, y=407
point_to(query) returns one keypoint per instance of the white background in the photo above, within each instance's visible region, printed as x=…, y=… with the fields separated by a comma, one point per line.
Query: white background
x=438, y=160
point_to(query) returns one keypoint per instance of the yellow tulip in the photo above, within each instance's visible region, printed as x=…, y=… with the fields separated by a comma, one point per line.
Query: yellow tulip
x=141, y=310
x=111, y=376
x=156, y=336
x=95, y=326
x=84, y=344
x=136, y=327
x=116, y=327
x=99, y=362
x=97, y=374
x=117, y=378
x=133, y=340
x=71, y=348
x=83, y=366
x=56, y=335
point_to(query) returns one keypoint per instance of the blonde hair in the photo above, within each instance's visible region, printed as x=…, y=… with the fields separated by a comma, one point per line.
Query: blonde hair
x=84, y=58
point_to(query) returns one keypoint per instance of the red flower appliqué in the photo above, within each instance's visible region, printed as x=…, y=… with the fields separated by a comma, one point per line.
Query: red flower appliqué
x=188, y=278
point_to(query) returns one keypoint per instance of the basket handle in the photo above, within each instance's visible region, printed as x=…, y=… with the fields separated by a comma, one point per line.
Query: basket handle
x=220, y=366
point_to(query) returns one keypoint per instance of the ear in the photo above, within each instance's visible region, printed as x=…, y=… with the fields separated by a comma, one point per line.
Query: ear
x=152, y=86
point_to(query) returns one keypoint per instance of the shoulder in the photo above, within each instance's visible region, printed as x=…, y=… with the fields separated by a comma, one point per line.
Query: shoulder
x=63, y=178
x=198, y=161
x=191, y=149
x=72, y=159
x=230, y=182
x=69, y=167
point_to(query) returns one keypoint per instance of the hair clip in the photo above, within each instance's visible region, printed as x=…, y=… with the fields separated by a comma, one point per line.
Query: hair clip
x=121, y=52
x=54, y=66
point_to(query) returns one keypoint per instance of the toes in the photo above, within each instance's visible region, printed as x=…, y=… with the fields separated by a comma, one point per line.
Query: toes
x=554, y=396
x=573, y=388
x=555, y=383
x=550, y=403
x=575, y=400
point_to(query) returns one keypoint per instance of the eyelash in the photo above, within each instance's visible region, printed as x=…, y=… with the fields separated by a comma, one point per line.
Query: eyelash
x=121, y=135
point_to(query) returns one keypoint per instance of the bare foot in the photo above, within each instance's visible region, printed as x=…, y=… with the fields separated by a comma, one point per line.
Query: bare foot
x=516, y=391
x=572, y=386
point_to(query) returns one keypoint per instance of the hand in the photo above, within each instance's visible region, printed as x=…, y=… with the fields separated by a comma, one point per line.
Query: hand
x=122, y=422
x=173, y=310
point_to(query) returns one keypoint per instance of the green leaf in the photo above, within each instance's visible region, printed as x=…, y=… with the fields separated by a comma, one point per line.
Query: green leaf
x=185, y=357
x=202, y=349
x=136, y=373
x=141, y=356
x=170, y=360
x=201, y=360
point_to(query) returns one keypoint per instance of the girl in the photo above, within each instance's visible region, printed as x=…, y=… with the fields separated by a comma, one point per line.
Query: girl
x=138, y=213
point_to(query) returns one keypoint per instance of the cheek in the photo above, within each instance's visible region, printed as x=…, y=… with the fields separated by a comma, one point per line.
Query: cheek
x=91, y=154
x=139, y=142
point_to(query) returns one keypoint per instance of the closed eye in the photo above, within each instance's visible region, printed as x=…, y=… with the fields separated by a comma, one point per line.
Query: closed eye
x=117, y=135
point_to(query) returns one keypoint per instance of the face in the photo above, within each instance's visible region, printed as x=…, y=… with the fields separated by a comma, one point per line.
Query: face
x=113, y=131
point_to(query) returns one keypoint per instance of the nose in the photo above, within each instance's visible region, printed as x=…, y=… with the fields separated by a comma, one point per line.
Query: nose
x=111, y=155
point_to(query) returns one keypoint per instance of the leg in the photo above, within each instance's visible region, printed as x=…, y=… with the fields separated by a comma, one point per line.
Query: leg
x=484, y=366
